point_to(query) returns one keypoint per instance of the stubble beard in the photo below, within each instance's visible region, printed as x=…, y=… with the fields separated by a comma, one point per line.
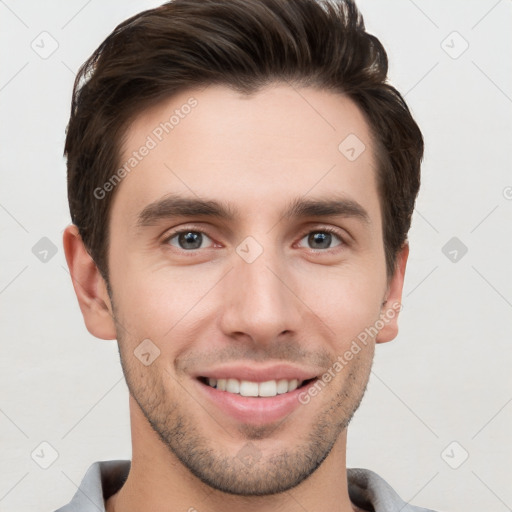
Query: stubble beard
x=259, y=474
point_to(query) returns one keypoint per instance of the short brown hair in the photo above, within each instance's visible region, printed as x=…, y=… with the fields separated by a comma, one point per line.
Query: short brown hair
x=242, y=44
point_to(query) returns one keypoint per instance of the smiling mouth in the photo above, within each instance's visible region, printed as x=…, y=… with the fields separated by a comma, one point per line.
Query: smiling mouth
x=248, y=388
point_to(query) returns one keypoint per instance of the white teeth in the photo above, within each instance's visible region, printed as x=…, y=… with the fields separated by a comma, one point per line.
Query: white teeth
x=249, y=388
x=233, y=386
x=268, y=388
x=282, y=386
x=294, y=384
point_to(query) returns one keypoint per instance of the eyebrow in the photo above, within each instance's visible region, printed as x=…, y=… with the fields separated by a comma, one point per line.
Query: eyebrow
x=178, y=206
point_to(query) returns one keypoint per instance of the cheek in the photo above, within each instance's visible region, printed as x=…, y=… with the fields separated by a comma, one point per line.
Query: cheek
x=347, y=305
x=158, y=304
x=170, y=305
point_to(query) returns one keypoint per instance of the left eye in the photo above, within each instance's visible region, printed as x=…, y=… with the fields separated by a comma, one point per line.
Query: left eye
x=322, y=239
x=188, y=240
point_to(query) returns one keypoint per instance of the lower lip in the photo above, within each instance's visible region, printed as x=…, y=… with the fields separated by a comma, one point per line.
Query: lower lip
x=255, y=410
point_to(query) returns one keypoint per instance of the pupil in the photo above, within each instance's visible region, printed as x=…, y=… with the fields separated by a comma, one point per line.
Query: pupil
x=323, y=239
x=190, y=238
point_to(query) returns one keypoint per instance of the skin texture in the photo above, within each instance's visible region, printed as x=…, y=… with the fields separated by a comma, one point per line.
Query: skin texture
x=298, y=302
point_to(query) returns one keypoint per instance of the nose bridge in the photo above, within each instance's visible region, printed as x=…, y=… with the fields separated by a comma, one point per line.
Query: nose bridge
x=258, y=303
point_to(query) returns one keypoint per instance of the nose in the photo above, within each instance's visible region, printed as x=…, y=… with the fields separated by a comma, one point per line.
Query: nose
x=259, y=301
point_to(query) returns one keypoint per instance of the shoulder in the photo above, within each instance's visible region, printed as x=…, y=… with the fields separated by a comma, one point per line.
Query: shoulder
x=370, y=491
x=102, y=479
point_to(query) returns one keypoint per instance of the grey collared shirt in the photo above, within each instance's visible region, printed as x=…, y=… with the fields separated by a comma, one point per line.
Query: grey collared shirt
x=366, y=489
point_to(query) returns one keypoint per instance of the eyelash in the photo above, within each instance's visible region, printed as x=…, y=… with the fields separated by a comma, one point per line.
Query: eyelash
x=325, y=229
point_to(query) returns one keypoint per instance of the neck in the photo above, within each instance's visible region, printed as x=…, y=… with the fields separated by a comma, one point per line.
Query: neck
x=159, y=481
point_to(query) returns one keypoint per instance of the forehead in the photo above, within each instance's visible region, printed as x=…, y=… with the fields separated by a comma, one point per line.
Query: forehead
x=256, y=151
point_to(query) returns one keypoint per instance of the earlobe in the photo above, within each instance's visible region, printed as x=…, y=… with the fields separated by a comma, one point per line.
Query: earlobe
x=89, y=285
x=393, y=300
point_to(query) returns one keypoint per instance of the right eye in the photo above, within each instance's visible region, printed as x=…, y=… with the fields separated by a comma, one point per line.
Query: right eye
x=187, y=239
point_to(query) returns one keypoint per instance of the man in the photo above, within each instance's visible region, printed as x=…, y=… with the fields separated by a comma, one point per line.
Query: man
x=241, y=182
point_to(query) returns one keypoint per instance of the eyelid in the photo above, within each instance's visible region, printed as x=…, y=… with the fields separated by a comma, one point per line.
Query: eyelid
x=326, y=229
x=185, y=229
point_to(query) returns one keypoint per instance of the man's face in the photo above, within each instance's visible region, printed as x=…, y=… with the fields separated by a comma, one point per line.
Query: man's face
x=267, y=294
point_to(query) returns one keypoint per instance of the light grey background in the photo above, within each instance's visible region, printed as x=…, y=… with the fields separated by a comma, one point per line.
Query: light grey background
x=440, y=392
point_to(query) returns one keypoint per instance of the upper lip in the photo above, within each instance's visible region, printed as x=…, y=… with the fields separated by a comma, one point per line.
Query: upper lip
x=253, y=373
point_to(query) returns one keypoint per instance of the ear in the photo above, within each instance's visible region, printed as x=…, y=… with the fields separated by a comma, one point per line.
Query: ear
x=393, y=299
x=89, y=285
